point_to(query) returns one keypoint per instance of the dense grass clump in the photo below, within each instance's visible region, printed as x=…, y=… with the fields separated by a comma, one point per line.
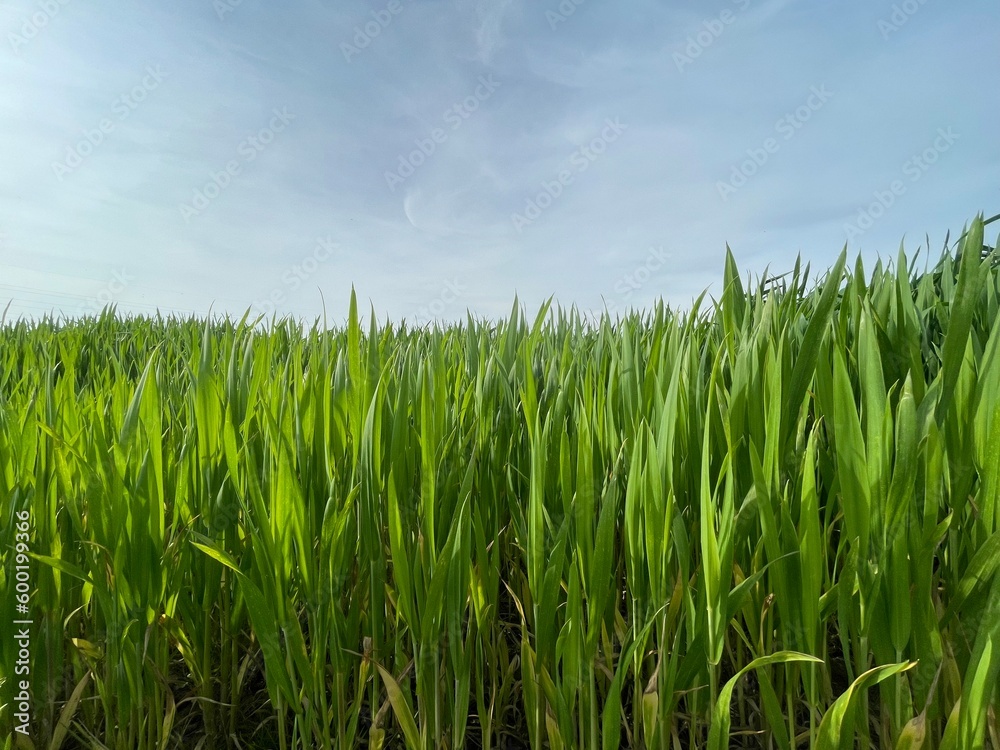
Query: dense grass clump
x=770, y=521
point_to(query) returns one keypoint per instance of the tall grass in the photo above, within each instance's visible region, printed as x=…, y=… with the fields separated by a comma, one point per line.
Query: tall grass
x=768, y=521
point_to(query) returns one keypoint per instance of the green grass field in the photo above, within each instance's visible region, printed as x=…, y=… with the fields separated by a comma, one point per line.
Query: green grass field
x=772, y=520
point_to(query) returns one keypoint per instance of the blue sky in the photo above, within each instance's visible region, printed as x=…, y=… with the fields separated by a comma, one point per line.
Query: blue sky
x=443, y=156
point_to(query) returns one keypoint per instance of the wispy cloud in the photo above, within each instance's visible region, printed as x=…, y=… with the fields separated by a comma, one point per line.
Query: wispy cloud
x=450, y=218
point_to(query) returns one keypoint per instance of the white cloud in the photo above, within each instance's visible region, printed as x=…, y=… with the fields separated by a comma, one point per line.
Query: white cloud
x=452, y=216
